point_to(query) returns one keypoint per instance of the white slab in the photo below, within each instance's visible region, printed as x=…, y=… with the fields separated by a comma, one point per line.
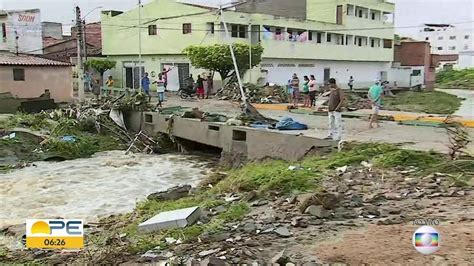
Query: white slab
x=171, y=219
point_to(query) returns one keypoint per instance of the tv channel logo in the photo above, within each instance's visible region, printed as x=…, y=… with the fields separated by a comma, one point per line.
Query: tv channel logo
x=54, y=233
x=426, y=240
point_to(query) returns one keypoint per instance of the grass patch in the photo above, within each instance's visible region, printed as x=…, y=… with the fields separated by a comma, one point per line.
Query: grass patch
x=455, y=79
x=420, y=159
x=432, y=102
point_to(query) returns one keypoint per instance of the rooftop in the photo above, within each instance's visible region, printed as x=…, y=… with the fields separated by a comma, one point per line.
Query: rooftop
x=28, y=60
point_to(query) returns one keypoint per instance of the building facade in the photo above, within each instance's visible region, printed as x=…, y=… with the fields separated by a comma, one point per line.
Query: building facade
x=417, y=56
x=331, y=39
x=27, y=76
x=447, y=39
x=21, y=31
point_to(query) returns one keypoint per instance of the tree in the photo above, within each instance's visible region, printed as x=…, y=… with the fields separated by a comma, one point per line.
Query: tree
x=101, y=65
x=218, y=58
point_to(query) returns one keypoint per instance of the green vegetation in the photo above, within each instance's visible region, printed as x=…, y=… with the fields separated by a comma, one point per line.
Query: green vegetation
x=432, y=102
x=217, y=58
x=455, y=79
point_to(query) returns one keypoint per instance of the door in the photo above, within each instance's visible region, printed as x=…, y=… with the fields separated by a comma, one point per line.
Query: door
x=129, y=77
x=183, y=73
x=255, y=34
x=327, y=74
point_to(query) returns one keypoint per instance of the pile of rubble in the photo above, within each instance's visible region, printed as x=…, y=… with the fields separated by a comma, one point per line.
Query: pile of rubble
x=277, y=227
x=356, y=102
x=255, y=94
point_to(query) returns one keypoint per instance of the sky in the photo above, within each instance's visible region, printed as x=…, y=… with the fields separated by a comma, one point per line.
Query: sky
x=408, y=15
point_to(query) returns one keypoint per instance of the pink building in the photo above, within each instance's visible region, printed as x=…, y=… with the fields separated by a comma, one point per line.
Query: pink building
x=27, y=76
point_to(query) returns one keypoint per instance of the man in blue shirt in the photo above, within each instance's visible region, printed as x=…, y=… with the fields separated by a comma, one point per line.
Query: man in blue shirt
x=375, y=97
x=146, y=86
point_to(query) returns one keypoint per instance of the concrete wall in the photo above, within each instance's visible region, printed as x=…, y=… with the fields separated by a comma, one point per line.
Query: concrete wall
x=466, y=60
x=58, y=80
x=253, y=144
x=52, y=29
x=26, y=24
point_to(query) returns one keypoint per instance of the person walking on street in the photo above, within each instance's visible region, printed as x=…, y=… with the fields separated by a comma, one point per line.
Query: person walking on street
x=313, y=89
x=146, y=85
x=200, y=87
x=336, y=101
x=295, y=85
x=351, y=83
x=375, y=96
x=306, y=102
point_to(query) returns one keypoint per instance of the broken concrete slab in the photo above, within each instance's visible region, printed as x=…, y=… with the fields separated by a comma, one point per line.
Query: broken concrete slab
x=171, y=219
x=173, y=193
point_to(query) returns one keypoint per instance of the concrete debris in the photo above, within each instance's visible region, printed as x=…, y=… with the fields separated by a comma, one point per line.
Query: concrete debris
x=318, y=211
x=171, y=219
x=173, y=193
x=208, y=252
x=283, y=232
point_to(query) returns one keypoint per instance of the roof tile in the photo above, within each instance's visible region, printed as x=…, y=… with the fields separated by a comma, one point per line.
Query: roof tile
x=27, y=60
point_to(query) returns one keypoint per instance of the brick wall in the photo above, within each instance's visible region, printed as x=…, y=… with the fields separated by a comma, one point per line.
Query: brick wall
x=417, y=54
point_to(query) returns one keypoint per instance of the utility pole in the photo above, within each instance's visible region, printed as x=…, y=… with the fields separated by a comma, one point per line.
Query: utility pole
x=84, y=44
x=250, y=50
x=79, y=66
x=236, y=68
x=140, y=44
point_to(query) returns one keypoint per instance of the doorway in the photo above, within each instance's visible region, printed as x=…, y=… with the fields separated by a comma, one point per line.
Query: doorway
x=327, y=74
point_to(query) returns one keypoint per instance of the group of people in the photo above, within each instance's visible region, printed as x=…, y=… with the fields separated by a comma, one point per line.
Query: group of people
x=160, y=82
x=203, y=85
x=92, y=84
x=336, y=100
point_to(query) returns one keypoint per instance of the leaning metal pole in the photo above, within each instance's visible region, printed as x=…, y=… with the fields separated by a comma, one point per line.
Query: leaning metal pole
x=236, y=68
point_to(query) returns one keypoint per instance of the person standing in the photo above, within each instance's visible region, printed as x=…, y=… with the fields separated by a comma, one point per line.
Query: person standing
x=164, y=74
x=200, y=87
x=289, y=90
x=336, y=101
x=96, y=88
x=375, y=96
x=351, y=83
x=146, y=85
x=210, y=85
x=312, y=90
x=295, y=85
x=110, y=84
x=306, y=102
x=87, y=81
x=160, y=89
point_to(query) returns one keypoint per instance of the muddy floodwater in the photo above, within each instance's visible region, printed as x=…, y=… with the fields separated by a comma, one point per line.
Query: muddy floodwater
x=108, y=183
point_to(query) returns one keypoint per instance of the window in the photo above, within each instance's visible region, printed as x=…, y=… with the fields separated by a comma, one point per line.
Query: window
x=18, y=74
x=372, y=43
x=427, y=38
x=361, y=13
x=452, y=48
x=4, y=32
x=210, y=27
x=452, y=37
x=466, y=37
x=440, y=38
x=310, y=35
x=387, y=43
x=359, y=41
x=152, y=30
x=239, y=31
x=373, y=16
x=187, y=28
x=416, y=72
x=328, y=37
x=319, y=37
x=466, y=47
x=440, y=48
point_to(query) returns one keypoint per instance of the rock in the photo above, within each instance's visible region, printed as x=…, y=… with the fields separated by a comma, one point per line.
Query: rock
x=371, y=210
x=208, y=252
x=220, y=237
x=356, y=201
x=258, y=203
x=232, y=198
x=280, y=258
x=250, y=196
x=170, y=240
x=249, y=228
x=389, y=221
x=315, y=222
x=292, y=199
x=220, y=209
x=173, y=193
x=283, y=232
x=213, y=261
x=317, y=211
x=328, y=200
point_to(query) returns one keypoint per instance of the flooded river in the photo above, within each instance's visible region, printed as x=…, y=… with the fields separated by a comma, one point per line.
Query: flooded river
x=108, y=183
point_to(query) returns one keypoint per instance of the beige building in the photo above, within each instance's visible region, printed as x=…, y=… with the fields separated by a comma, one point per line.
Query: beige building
x=29, y=77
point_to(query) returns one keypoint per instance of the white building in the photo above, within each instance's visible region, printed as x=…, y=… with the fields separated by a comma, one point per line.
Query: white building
x=21, y=31
x=447, y=39
x=466, y=60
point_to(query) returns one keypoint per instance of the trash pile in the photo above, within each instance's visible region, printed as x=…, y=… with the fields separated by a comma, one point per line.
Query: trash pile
x=74, y=131
x=356, y=102
x=269, y=93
